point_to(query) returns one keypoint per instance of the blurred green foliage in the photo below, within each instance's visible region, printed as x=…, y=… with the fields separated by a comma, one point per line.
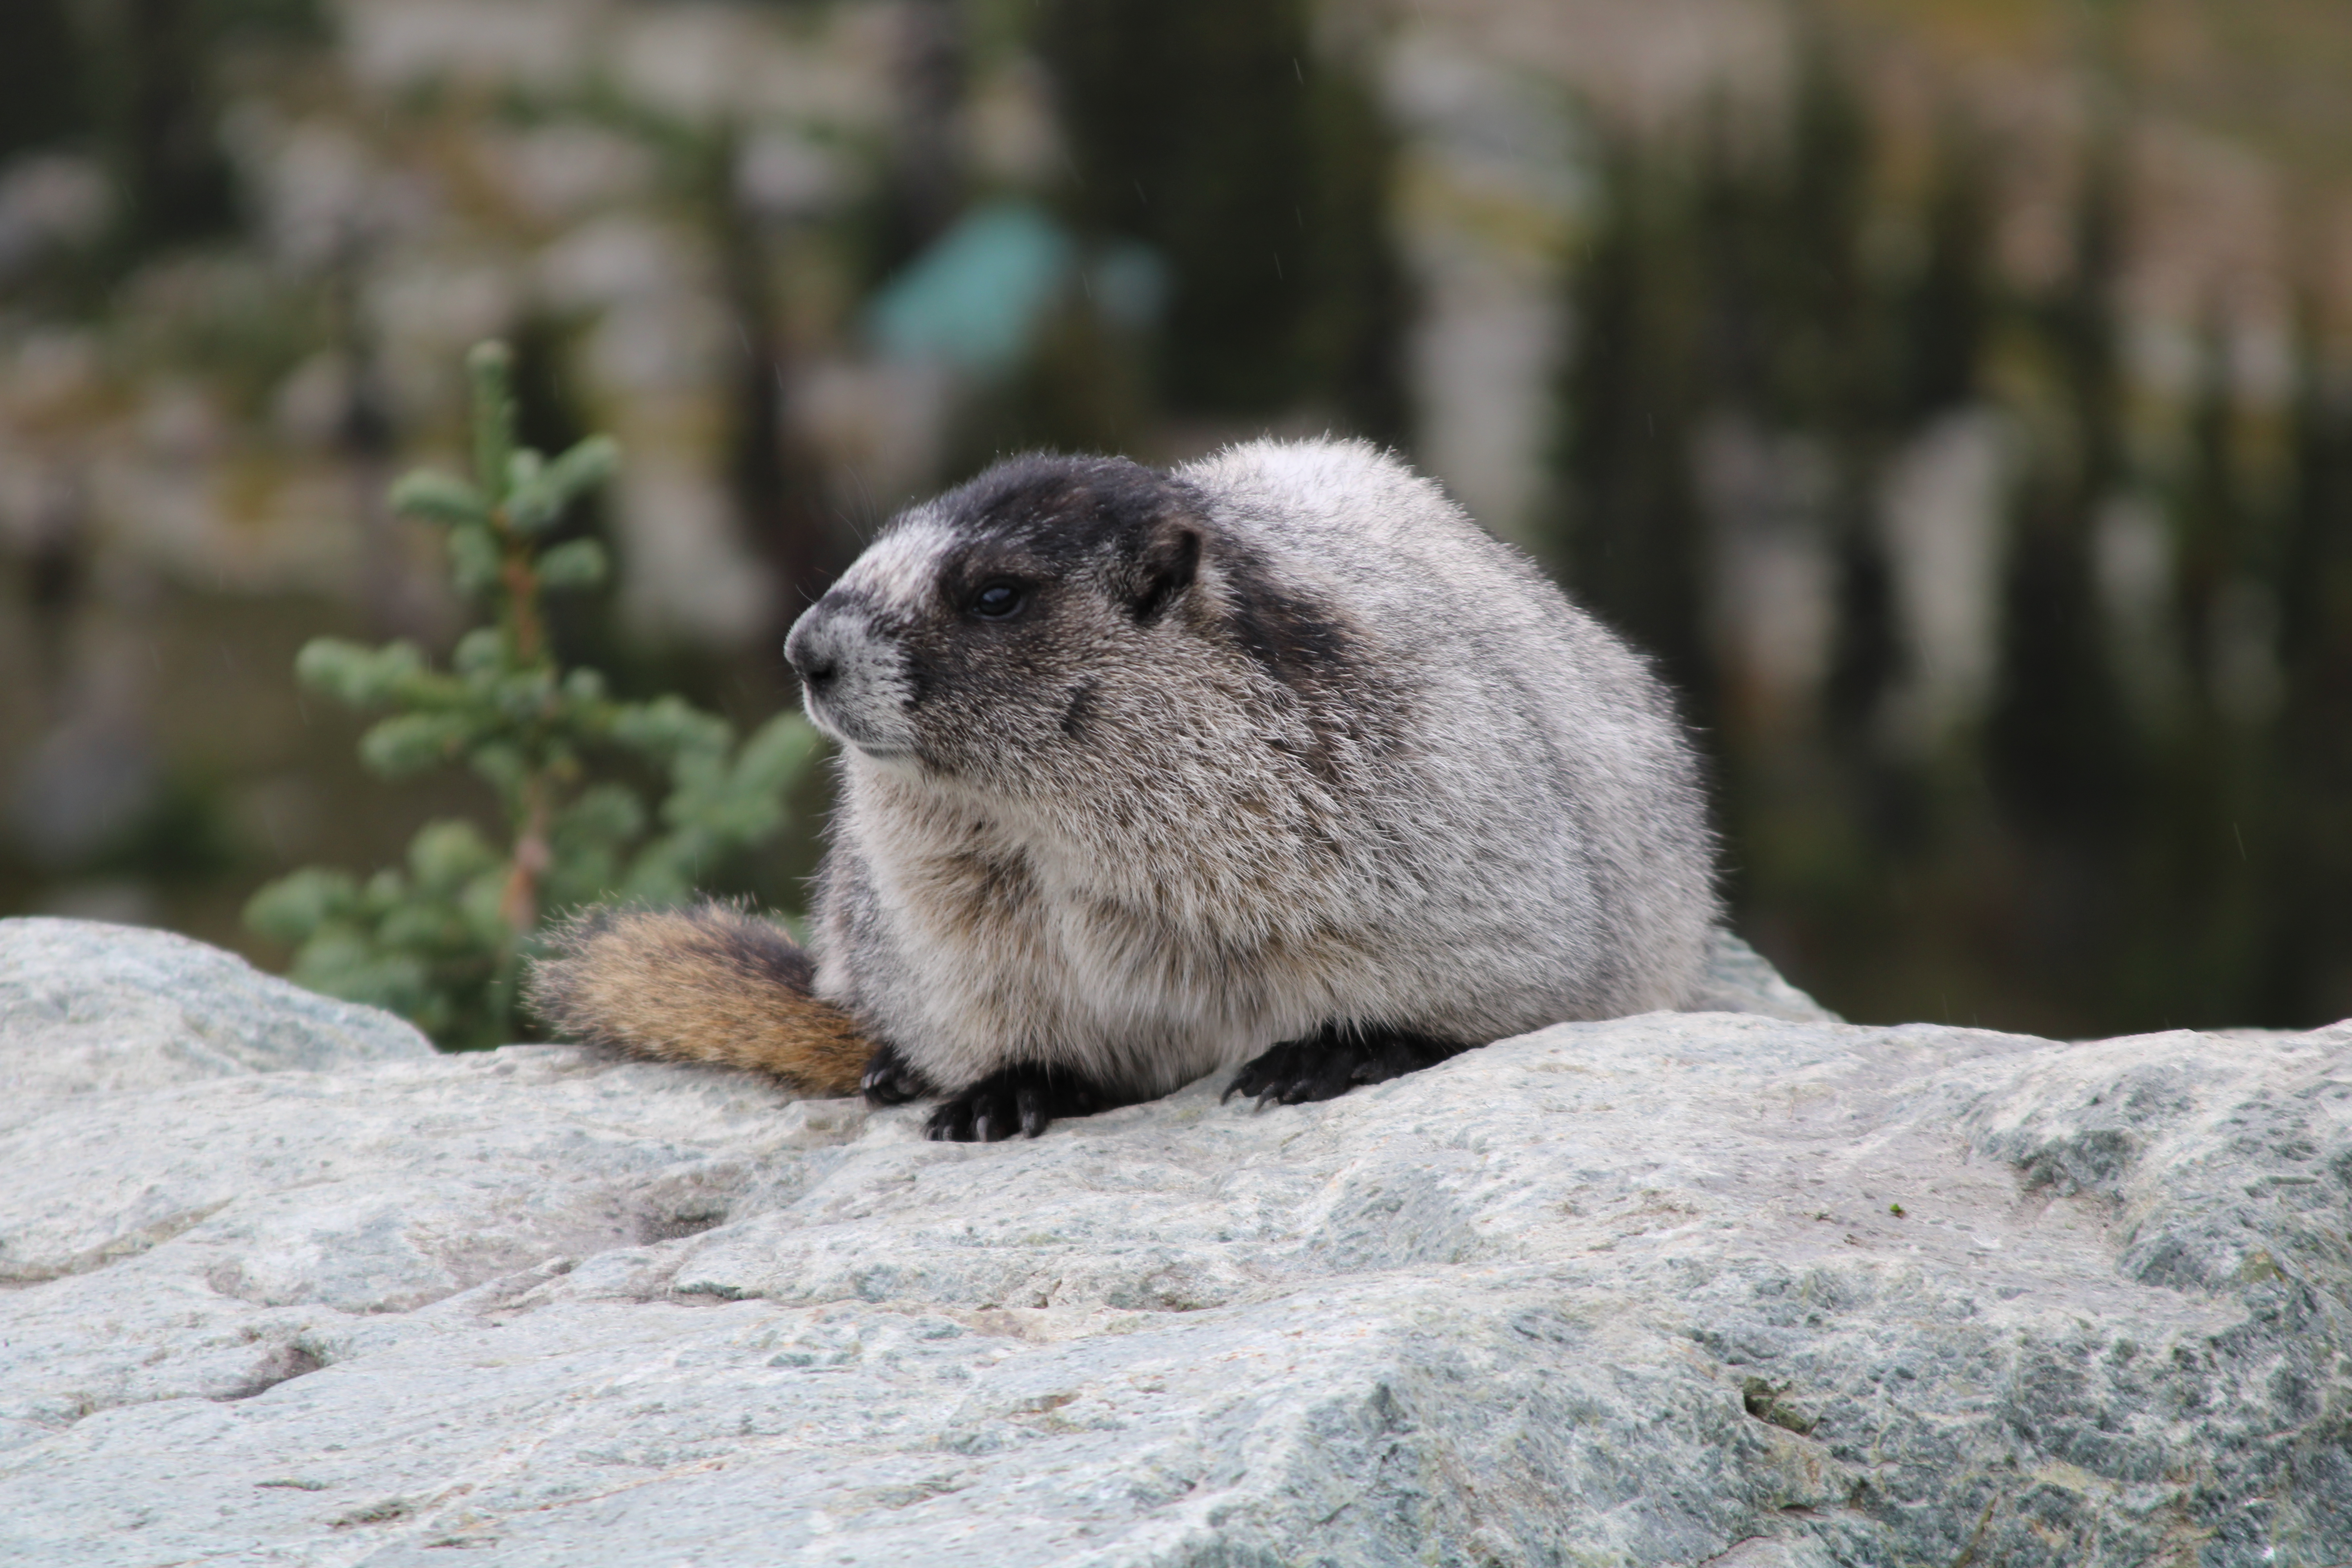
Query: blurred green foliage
x=439, y=940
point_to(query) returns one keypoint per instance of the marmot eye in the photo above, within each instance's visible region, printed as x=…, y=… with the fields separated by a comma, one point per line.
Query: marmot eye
x=998, y=601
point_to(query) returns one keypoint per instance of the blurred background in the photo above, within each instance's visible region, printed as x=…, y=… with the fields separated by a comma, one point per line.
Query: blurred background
x=1951, y=394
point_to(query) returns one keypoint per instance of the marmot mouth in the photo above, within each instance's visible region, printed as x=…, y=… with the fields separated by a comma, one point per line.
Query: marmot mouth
x=830, y=723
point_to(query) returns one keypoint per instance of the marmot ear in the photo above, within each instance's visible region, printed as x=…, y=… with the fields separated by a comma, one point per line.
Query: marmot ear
x=1162, y=569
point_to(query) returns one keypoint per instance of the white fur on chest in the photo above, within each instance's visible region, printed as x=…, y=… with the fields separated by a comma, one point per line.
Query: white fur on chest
x=1020, y=947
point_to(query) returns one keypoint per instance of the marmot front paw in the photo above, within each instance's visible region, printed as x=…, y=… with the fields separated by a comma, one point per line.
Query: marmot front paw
x=1333, y=1060
x=1022, y=1100
x=889, y=1079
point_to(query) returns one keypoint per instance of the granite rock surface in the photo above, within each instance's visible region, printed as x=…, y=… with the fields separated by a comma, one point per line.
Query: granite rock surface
x=84, y=1007
x=1754, y=1289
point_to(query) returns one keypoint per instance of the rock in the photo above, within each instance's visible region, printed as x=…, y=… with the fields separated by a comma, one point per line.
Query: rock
x=1678, y=1288
x=84, y=1007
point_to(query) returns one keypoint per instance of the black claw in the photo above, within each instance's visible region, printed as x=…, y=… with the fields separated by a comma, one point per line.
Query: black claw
x=1024, y=1099
x=1334, y=1059
x=1338, y=1074
x=889, y=1079
x=1034, y=1114
x=1265, y=1078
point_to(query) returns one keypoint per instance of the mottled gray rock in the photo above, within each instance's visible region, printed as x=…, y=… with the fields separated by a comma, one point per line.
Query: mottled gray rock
x=86, y=1006
x=1632, y=1293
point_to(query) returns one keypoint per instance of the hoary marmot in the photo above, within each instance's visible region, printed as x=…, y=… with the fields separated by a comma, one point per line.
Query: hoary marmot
x=1273, y=760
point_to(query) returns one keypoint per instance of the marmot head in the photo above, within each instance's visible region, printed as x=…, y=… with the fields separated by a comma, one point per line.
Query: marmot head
x=1001, y=627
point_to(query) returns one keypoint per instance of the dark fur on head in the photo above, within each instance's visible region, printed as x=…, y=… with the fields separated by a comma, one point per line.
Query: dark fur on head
x=1121, y=575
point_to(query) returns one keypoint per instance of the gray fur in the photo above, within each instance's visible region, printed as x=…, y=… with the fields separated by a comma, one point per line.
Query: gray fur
x=1281, y=739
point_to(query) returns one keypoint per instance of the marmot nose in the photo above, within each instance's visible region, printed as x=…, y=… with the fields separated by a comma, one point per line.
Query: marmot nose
x=813, y=648
x=818, y=671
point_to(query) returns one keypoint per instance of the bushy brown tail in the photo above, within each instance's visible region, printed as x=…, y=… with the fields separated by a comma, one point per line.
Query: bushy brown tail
x=710, y=983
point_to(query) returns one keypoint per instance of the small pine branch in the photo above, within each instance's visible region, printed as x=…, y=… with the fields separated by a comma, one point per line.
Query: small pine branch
x=440, y=940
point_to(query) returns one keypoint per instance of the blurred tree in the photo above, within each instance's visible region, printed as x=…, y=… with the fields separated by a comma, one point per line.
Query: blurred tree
x=2308, y=973
x=237, y=23
x=1215, y=133
x=155, y=81
x=550, y=415
x=153, y=67
x=57, y=545
x=1930, y=332
x=1079, y=388
x=1832, y=346
x=43, y=90
x=773, y=483
x=2071, y=860
x=2208, y=527
x=776, y=489
x=2062, y=757
x=923, y=182
x=1628, y=534
x=1723, y=211
x=397, y=601
x=1946, y=308
x=1823, y=370
x=1361, y=303
x=1188, y=128
x=2196, y=926
x=584, y=625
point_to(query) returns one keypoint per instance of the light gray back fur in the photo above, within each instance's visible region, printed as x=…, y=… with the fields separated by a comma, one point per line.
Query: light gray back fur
x=1370, y=767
